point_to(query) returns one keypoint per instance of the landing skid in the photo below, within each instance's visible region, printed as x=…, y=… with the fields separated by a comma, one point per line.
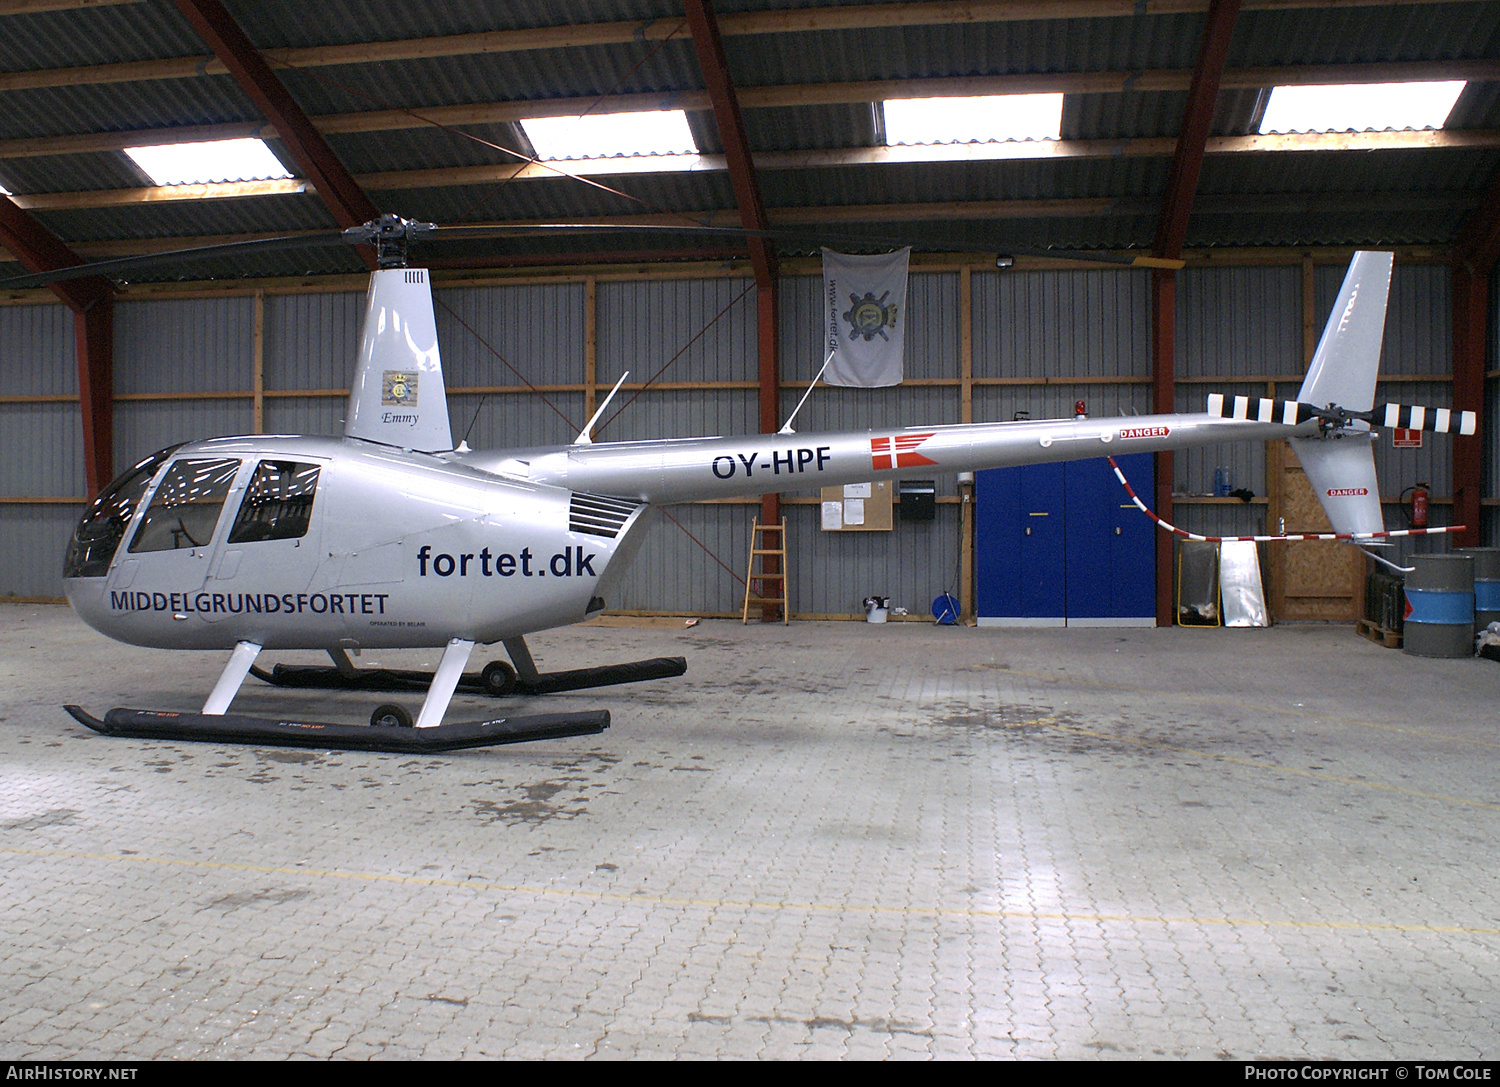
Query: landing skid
x=491, y=681
x=391, y=726
x=234, y=729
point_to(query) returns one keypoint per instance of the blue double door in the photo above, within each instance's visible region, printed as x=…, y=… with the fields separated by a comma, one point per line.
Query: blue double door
x=1062, y=544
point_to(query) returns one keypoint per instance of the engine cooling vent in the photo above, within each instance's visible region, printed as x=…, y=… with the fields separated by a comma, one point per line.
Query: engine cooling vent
x=599, y=516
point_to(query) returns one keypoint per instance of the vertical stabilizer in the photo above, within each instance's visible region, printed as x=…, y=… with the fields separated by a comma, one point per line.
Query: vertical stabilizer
x=1341, y=466
x=1344, y=367
x=398, y=396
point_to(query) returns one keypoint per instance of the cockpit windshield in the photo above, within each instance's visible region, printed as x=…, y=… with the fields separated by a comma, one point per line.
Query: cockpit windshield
x=103, y=524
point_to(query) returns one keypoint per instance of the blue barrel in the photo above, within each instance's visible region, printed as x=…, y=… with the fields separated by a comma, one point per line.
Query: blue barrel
x=1440, y=606
x=1486, y=584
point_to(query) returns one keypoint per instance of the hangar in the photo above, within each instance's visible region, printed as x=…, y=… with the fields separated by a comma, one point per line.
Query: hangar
x=828, y=839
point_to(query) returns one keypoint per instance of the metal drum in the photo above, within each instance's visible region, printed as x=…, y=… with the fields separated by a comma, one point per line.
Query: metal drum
x=1486, y=584
x=1440, y=606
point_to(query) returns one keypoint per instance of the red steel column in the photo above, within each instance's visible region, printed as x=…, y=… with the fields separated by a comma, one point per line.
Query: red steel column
x=94, y=333
x=1192, y=138
x=1470, y=328
x=1163, y=398
x=92, y=301
x=710, y=47
x=335, y=184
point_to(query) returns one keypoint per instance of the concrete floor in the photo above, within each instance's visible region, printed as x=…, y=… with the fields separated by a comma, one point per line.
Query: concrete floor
x=826, y=840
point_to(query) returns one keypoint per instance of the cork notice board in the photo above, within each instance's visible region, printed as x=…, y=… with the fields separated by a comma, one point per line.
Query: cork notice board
x=858, y=507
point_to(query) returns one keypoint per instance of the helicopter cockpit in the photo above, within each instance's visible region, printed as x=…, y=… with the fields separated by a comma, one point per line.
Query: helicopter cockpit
x=186, y=505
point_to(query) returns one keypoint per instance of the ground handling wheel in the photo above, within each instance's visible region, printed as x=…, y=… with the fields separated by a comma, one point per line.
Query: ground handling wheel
x=499, y=678
x=391, y=715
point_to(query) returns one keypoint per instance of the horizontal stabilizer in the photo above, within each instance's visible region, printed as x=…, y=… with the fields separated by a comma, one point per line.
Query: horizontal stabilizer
x=1341, y=469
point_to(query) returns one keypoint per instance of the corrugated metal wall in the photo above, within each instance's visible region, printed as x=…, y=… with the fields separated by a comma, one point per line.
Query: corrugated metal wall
x=1041, y=340
x=43, y=446
x=1243, y=324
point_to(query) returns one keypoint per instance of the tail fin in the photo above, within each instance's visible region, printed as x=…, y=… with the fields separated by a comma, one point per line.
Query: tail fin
x=1345, y=365
x=398, y=396
x=1341, y=465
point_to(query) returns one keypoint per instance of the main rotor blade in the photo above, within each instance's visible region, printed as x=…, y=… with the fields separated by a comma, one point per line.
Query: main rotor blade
x=120, y=267
x=117, y=267
x=806, y=233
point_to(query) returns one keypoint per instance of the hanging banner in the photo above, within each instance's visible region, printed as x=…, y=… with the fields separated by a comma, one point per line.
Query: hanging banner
x=864, y=320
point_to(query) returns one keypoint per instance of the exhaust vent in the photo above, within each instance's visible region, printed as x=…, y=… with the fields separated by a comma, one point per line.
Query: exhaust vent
x=598, y=515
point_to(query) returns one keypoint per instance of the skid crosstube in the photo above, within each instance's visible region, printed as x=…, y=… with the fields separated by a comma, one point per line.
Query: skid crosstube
x=400, y=679
x=234, y=729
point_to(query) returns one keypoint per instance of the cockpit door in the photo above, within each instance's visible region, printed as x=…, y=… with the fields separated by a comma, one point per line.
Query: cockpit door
x=171, y=546
x=271, y=543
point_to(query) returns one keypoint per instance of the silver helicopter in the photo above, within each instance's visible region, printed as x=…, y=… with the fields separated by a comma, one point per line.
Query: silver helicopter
x=391, y=538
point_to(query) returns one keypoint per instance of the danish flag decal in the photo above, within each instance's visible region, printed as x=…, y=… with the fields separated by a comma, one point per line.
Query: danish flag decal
x=902, y=446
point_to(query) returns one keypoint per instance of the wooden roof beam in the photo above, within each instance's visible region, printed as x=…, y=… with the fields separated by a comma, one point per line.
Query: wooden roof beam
x=780, y=160
x=1192, y=140
x=345, y=199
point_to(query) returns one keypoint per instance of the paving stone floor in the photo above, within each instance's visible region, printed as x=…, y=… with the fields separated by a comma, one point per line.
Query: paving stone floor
x=829, y=840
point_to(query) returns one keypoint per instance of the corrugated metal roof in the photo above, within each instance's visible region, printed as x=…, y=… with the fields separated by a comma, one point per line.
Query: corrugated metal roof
x=924, y=52
x=1326, y=193
x=98, y=35
x=1363, y=34
x=119, y=107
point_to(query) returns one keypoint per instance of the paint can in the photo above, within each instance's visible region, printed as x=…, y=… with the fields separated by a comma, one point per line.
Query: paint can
x=1440, y=606
x=876, y=608
x=1486, y=584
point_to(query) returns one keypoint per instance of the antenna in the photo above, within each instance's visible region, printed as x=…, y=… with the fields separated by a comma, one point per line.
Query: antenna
x=583, y=435
x=787, y=428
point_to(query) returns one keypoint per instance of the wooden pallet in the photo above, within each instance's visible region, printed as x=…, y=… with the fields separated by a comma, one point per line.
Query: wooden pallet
x=1379, y=635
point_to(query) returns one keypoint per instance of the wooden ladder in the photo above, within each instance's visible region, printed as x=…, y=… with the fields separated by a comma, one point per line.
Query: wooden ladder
x=758, y=532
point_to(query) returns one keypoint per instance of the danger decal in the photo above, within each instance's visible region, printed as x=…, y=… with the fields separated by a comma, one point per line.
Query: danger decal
x=1346, y=492
x=1146, y=432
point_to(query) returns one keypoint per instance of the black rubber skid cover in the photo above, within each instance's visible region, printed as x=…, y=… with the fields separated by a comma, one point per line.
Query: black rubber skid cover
x=608, y=675
x=400, y=679
x=231, y=729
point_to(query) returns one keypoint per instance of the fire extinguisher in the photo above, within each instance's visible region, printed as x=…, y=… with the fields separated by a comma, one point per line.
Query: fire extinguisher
x=1415, y=511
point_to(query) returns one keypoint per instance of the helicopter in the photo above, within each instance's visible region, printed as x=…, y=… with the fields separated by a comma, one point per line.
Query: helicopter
x=390, y=537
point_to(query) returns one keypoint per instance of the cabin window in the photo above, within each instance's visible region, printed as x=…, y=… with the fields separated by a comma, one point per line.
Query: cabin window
x=277, y=504
x=103, y=524
x=185, y=509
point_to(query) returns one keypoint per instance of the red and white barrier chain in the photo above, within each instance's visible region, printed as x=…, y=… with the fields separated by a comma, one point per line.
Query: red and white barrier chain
x=1186, y=535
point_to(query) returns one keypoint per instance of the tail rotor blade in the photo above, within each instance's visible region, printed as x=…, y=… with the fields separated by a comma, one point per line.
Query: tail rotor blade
x=1432, y=420
x=1293, y=412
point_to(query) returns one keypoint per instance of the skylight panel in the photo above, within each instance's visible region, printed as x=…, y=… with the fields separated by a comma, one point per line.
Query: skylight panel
x=1360, y=107
x=985, y=119
x=609, y=135
x=202, y=163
